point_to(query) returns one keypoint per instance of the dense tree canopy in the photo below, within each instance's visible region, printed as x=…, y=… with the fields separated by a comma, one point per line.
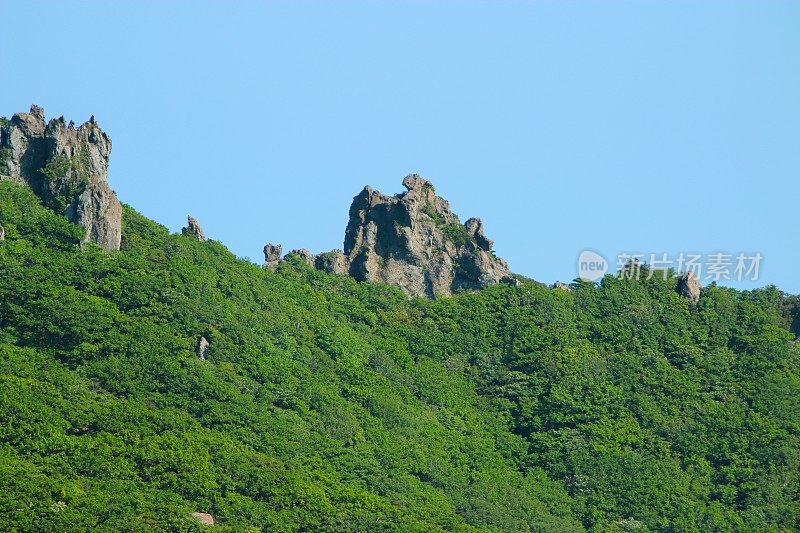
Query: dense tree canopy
x=330, y=405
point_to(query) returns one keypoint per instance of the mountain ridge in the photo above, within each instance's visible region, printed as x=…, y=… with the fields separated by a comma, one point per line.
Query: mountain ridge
x=321, y=403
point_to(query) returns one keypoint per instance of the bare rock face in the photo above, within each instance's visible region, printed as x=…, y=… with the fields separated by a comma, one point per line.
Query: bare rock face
x=202, y=348
x=193, y=229
x=272, y=255
x=414, y=241
x=475, y=231
x=2, y=233
x=67, y=168
x=689, y=287
x=333, y=262
x=204, y=518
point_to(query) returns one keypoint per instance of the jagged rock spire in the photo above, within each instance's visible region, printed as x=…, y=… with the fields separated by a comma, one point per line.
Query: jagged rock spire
x=272, y=255
x=193, y=229
x=67, y=168
x=414, y=241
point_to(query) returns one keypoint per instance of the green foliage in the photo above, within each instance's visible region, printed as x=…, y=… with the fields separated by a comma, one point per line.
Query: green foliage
x=453, y=231
x=5, y=156
x=58, y=167
x=71, y=178
x=331, y=405
x=456, y=233
x=429, y=210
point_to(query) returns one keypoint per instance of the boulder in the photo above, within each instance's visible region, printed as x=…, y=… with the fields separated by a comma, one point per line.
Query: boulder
x=202, y=348
x=67, y=168
x=2, y=233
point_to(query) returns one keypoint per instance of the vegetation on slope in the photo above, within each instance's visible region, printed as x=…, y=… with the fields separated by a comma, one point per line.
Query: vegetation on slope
x=331, y=405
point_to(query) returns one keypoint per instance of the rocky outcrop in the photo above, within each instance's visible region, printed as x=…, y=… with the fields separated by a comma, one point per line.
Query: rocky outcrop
x=689, y=287
x=304, y=255
x=193, y=229
x=202, y=347
x=272, y=255
x=414, y=241
x=204, y=518
x=562, y=286
x=333, y=262
x=67, y=167
x=2, y=233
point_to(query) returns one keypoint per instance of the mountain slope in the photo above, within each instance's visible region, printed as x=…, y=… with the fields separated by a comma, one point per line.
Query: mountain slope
x=327, y=404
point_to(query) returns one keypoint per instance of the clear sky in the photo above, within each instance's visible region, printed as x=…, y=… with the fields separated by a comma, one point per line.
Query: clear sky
x=617, y=126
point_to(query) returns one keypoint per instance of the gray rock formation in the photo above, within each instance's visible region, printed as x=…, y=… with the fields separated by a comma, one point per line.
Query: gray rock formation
x=689, y=287
x=193, y=229
x=202, y=347
x=333, y=262
x=414, y=241
x=561, y=286
x=2, y=233
x=306, y=256
x=272, y=255
x=67, y=168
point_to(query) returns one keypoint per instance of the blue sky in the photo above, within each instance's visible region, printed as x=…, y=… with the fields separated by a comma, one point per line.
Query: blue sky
x=616, y=126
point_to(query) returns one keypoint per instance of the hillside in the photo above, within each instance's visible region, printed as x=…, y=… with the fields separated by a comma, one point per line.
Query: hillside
x=328, y=404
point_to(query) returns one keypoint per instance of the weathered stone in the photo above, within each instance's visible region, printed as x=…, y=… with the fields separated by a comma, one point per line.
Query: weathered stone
x=333, y=262
x=2, y=233
x=98, y=210
x=689, y=287
x=306, y=256
x=67, y=168
x=475, y=231
x=204, y=518
x=202, y=348
x=561, y=286
x=414, y=241
x=193, y=229
x=272, y=255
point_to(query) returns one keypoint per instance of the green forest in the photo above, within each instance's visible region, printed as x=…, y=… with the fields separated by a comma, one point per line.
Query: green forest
x=325, y=404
